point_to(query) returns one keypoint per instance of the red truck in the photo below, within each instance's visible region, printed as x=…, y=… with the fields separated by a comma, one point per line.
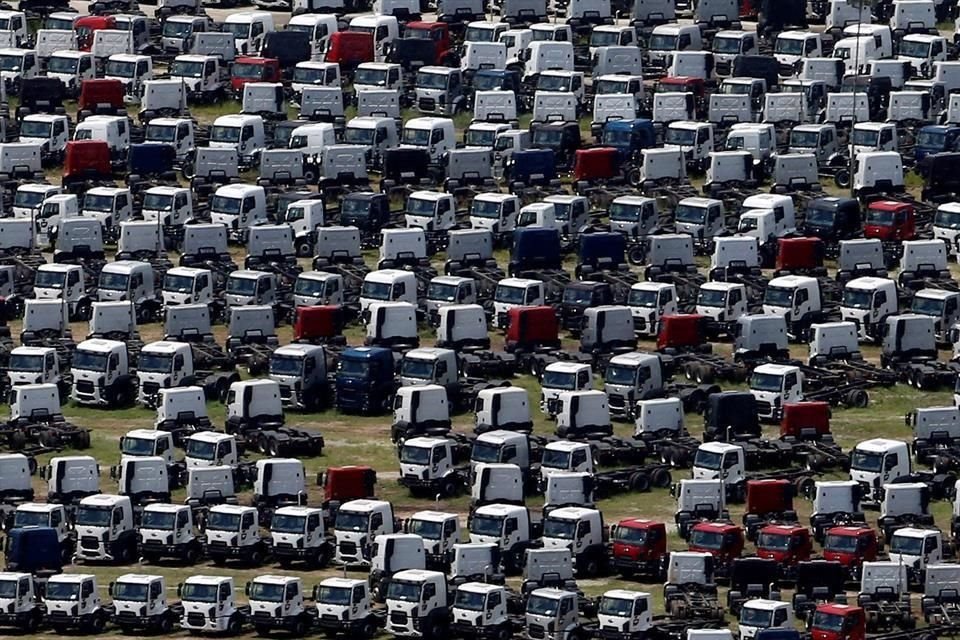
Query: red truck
x=438, y=33
x=87, y=25
x=890, y=221
x=788, y=544
x=723, y=540
x=838, y=622
x=638, y=546
x=531, y=329
x=800, y=257
x=248, y=69
x=851, y=546
x=319, y=325
x=768, y=501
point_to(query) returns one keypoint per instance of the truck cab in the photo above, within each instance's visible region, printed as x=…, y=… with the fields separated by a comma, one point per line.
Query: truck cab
x=559, y=377
x=197, y=593
x=105, y=529
x=759, y=614
x=358, y=523
x=774, y=385
x=876, y=462
x=434, y=134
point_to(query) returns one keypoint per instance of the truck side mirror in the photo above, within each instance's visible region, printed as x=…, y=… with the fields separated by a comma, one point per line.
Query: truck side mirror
x=246, y=589
x=180, y=590
x=315, y=592
x=110, y=589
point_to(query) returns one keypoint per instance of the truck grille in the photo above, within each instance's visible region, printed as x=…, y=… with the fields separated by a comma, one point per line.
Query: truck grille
x=398, y=617
x=195, y=619
x=84, y=386
x=723, y=68
x=785, y=69
x=286, y=392
x=150, y=388
x=349, y=548
x=89, y=542
x=536, y=631
x=426, y=104
x=616, y=401
x=59, y=613
x=330, y=617
x=764, y=408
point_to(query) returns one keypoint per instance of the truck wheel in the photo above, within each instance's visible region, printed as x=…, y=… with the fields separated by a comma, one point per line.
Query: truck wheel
x=661, y=479
x=256, y=558
x=300, y=628
x=32, y=623
x=165, y=625
x=369, y=629
x=591, y=568
x=263, y=631
x=640, y=482
x=97, y=623
x=858, y=398
x=449, y=488
x=235, y=625
x=125, y=555
x=219, y=560
x=193, y=554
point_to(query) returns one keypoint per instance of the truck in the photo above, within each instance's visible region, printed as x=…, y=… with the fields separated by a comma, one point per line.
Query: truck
x=255, y=415
x=198, y=592
x=102, y=375
x=266, y=591
x=72, y=602
x=167, y=531
x=140, y=604
x=105, y=529
x=167, y=364
x=233, y=532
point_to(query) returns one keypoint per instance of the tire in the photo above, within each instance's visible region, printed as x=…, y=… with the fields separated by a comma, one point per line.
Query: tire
x=304, y=250
x=448, y=489
x=661, y=479
x=97, y=624
x=369, y=629
x=166, y=625
x=640, y=482
x=591, y=568
x=256, y=558
x=235, y=626
x=262, y=631
x=126, y=554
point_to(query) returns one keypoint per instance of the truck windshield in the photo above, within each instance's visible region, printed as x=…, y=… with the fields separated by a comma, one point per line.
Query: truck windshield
x=35, y=129
x=480, y=34
x=221, y=133
x=119, y=69
x=351, y=521
x=765, y=381
x=240, y=30
x=642, y=298
x=604, y=38
x=559, y=380
x=788, y=46
x=414, y=368
x=136, y=446
x=712, y=298
x=486, y=525
x=24, y=518
x=285, y=365
x=553, y=459
x=857, y=298
x=308, y=75
x=906, y=545
x=866, y=461
x=49, y=279
x=286, y=523
x=200, y=592
x=727, y=45
x=353, y=368
x=630, y=535
x=540, y=606
x=93, y=516
x=24, y=362
x=842, y=544
x=880, y=217
x=705, y=539
x=864, y=138
x=130, y=591
x=488, y=82
x=469, y=600
x=735, y=88
x=556, y=528
x=198, y=449
x=375, y=290
x=662, y=42
x=248, y=71
x=242, y=286
x=334, y=595
x=219, y=521
x=561, y=211
x=176, y=29
x=161, y=133
x=154, y=363
x=485, y=452
x=616, y=607
x=358, y=135
x=480, y=137
x=548, y=82
x=804, y=139
x=416, y=137
x=931, y=139
x=485, y=209
x=266, y=592
x=819, y=215
x=177, y=284
x=185, y=69
x=162, y=520
x=625, y=212
x=308, y=287
x=113, y=281
x=948, y=219
x=681, y=137
x=778, y=541
x=62, y=590
x=753, y=617
x=426, y=529
x=707, y=459
x=547, y=137
x=620, y=374
x=97, y=202
x=226, y=204
x=370, y=77
x=11, y=62
x=616, y=137
x=914, y=48
x=778, y=296
x=432, y=80
x=415, y=455
x=158, y=201
x=89, y=361
x=8, y=589
x=405, y=591
x=420, y=207
x=507, y=294
x=686, y=213
x=824, y=621
x=927, y=306
x=577, y=296
x=60, y=64
x=27, y=198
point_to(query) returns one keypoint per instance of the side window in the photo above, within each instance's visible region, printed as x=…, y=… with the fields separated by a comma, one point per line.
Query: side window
x=436, y=136
x=449, y=527
x=683, y=42
x=583, y=378
x=729, y=460
x=224, y=592
x=376, y=520
x=55, y=519
x=247, y=521
x=439, y=454
x=358, y=593
x=382, y=33
x=394, y=76
x=429, y=591
x=209, y=68
x=256, y=29
x=86, y=590
x=493, y=600
x=578, y=458
x=293, y=590
x=891, y=461
x=640, y=606
x=183, y=518
x=155, y=590
x=400, y=289
x=73, y=278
